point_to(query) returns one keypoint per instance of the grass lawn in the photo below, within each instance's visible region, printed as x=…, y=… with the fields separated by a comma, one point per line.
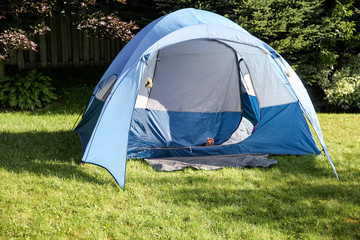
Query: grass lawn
x=46, y=194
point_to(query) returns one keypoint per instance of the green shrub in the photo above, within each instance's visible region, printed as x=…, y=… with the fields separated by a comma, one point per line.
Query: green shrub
x=26, y=92
x=342, y=88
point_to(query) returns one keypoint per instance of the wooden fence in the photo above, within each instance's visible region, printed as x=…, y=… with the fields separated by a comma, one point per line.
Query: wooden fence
x=66, y=46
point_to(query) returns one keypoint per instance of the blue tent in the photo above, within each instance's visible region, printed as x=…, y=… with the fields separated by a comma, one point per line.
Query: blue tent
x=190, y=75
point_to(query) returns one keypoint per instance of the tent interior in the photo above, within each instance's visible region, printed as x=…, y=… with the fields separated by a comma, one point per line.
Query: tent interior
x=197, y=89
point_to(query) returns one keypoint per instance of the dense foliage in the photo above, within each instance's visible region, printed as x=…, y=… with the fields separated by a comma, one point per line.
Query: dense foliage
x=343, y=89
x=100, y=18
x=319, y=38
x=20, y=19
x=26, y=92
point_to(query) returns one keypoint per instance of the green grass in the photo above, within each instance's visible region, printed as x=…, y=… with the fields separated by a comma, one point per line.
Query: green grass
x=46, y=194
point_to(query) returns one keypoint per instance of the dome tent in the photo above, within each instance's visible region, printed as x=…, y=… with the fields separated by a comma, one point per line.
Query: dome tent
x=190, y=75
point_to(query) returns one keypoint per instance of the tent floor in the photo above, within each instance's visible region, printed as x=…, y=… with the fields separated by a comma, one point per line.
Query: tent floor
x=211, y=162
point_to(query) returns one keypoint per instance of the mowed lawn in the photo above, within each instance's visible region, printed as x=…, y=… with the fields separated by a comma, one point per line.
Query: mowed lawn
x=46, y=194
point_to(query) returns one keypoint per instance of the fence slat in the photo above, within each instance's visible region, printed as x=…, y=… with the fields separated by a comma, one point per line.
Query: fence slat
x=65, y=45
x=20, y=59
x=32, y=59
x=107, y=51
x=76, y=40
x=43, y=53
x=86, y=48
x=102, y=55
x=117, y=46
x=53, y=42
x=96, y=51
x=112, y=49
x=64, y=40
x=13, y=59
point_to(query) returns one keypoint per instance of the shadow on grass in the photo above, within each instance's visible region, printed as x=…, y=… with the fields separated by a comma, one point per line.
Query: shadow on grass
x=301, y=208
x=284, y=203
x=43, y=153
x=303, y=165
x=282, y=199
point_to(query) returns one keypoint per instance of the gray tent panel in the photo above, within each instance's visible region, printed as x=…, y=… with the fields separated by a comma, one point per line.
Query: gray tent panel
x=201, y=68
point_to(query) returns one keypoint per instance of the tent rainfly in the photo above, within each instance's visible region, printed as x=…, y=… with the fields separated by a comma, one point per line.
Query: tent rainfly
x=188, y=76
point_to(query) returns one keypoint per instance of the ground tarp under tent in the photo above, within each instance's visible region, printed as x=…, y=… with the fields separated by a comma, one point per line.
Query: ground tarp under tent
x=211, y=162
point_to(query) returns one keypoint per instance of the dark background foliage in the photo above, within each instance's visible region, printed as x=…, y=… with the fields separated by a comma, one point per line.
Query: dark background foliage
x=319, y=38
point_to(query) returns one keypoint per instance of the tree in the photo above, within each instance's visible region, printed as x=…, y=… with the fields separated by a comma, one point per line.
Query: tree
x=100, y=18
x=222, y=7
x=293, y=28
x=340, y=66
x=20, y=19
x=319, y=38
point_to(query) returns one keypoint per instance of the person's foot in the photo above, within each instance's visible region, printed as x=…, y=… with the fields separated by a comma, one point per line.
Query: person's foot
x=209, y=142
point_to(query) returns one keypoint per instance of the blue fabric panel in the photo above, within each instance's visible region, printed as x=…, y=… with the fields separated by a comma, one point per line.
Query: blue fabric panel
x=250, y=108
x=192, y=129
x=159, y=28
x=134, y=49
x=160, y=129
x=255, y=106
x=282, y=130
x=108, y=144
x=88, y=122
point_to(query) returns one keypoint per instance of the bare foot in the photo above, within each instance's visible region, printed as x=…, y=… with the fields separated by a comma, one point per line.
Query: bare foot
x=209, y=142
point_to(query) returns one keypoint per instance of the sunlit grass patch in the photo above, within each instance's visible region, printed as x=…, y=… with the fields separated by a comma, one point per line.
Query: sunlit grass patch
x=46, y=194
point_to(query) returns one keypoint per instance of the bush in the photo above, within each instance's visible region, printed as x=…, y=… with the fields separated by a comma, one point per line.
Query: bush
x=26, y=92
x=315, y=37
x=342, y=87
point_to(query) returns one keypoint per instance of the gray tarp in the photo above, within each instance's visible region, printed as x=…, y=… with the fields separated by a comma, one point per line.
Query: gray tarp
x=211, y=162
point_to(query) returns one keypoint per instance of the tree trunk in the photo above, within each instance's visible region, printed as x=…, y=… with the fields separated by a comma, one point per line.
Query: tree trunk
x=2, y=67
